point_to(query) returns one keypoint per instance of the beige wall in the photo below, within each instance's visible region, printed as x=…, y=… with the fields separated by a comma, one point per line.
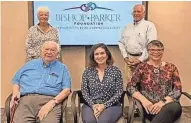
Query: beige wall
x=172, y=20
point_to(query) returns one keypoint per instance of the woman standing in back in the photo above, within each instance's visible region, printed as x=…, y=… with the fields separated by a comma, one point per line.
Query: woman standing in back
x=40, y=33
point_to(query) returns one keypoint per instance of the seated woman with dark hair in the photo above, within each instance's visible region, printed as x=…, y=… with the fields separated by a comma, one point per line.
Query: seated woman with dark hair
x=102, y=87
x=159, y=86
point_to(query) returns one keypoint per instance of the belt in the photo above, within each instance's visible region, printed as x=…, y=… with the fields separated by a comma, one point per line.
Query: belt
x=30, y=94
x=137, y=54
x=34, y=94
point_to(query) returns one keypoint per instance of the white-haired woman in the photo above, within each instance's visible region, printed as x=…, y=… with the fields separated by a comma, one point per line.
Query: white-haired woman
x=40, y=33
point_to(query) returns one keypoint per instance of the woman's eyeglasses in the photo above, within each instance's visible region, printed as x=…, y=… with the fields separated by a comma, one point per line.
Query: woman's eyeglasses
x=155, y=50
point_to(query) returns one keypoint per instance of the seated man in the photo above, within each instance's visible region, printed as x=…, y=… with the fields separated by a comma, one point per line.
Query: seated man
x=40, y=85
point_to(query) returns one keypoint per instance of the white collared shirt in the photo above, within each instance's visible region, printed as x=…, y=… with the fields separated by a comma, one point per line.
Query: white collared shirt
x=135, y=37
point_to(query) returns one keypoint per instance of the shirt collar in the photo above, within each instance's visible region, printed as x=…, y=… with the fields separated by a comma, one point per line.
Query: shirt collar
x=49, y=65
x=137, y=23
x=37, y=26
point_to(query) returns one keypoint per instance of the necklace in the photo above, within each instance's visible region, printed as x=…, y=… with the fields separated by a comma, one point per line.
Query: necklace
x=156, y=70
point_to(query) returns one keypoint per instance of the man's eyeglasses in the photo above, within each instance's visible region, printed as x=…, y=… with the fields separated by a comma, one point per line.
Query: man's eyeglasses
x=155, y=50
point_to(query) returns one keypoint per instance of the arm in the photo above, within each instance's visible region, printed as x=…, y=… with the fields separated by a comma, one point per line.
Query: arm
x=58, y=41
x=133, y=89
x=16, y=86
x=85, y=89
x=118, y=90
x=122, y=46
x=175, y=94
x=151, y=34
x=135, y=80
x=132, y=86
x=30, y=51
x=66, y=85
x=15, y=95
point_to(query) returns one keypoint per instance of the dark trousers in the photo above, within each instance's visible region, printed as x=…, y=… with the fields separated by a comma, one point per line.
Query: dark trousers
x=168, y=114
x=109, y=115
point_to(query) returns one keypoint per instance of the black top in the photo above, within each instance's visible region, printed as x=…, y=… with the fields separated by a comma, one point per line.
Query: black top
x=107, y=92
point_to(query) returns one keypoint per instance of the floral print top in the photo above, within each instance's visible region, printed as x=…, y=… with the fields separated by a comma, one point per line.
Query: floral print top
x=35, y=38
x=107, y=92
x=156, y=83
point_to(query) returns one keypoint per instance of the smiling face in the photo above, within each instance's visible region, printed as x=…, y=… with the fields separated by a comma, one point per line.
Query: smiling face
x=49, y=51
x=155, y=52
x=100, y=56
x=138, y=12
x=43, y=17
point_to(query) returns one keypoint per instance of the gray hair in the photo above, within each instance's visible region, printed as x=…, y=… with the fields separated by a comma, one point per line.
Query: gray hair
x=142, y=6
x=155, y=43
x=57, y=45
x=42, y=9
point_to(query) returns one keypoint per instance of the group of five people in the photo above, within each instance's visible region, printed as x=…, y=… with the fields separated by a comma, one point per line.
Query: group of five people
x=44, y=82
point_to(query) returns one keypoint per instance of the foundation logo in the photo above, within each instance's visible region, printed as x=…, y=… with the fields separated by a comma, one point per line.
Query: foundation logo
x=88, y=7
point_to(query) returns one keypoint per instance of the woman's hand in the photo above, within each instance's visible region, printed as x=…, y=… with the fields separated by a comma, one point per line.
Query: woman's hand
x=155, y=109
x=147, y=105
x=98, y=109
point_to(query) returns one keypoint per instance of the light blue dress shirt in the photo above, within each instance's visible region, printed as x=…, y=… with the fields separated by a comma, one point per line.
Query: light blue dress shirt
x=35, y=77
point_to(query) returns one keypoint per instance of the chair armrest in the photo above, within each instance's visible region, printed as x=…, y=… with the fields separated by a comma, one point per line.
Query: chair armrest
x=131, y=109
x=73, y=106
x=7, y=107
x=140, y=109
x=64, y=110
x=187, y=95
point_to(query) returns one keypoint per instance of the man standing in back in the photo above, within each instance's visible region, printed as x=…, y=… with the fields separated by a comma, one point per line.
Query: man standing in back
x=134, y=39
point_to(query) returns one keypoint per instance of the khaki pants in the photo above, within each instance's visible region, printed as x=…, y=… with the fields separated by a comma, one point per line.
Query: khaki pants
x=129, y=70
x=29, y=107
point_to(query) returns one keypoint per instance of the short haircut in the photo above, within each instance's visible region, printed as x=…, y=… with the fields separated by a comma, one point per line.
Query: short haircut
x=155, y=43
x=57, y=45
x=42, y=9
x=92, y=62
x=143, y=7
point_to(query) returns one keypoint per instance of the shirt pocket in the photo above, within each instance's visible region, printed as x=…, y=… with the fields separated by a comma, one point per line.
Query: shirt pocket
x=53, y=80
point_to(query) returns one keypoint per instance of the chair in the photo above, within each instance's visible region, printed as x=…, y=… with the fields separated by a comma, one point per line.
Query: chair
x=140, y=110
x=77, y=110
x=64, y=110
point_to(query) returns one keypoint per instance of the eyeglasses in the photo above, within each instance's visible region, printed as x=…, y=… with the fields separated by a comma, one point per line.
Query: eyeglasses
x=155, y=50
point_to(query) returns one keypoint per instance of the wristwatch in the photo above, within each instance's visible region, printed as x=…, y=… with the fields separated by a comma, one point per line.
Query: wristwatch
x=55, y=101
x=164, y=100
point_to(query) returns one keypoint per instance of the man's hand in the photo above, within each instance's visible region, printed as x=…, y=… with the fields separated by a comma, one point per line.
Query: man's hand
x=147, y=105
x=45, y=109
x=132, y=62
x=136, y=61
x=155, y=109
x=128, y=61
x=15, y=99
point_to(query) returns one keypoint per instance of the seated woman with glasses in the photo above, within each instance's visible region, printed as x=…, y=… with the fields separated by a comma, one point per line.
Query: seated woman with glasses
x=156, y=84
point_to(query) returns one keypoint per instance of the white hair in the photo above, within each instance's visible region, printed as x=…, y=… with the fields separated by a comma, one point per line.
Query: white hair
x=57, y=45
x=142, y=6
x=42, y=9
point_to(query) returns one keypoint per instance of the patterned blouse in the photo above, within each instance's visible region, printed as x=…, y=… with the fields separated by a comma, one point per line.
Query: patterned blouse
x=156, y=83
x=35, y=38
x=107, y=92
